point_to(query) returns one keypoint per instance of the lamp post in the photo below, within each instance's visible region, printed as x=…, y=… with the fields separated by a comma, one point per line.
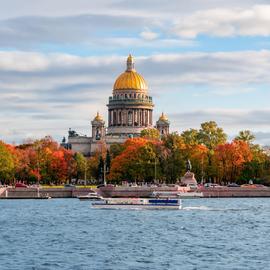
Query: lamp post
x=104, y=167
x=38, y=163
x=85, y=165
x=202, y=172
x=104, y=174
x=155, y=169
x=103, y=171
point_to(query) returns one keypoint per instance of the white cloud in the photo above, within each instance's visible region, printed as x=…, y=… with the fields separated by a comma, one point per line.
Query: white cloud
x=39, y=91
x=231, y=92
x=158, y=8
x=125, y=25
x=226, y=22
x=148, y=34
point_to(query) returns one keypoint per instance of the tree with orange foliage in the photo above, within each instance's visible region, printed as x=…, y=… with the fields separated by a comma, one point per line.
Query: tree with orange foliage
x=135, y=163
x=230, y=159
x=43, y=161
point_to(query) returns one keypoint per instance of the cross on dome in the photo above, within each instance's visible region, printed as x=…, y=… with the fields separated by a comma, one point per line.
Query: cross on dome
x=130, y=63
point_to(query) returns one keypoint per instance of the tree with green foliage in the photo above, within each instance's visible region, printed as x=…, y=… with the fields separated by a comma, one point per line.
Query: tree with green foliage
x=6, y=164
x=116, y=149
x=81, y=164
x=108, y=162
x=211, y=135
x=150, y=133
x=101, y=169
x=246, y=136
x=174, y=164
x=255, y=168
x=93, y=168
x=190, y=136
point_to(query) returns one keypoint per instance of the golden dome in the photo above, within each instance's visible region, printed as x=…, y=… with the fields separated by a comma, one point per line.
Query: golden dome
x=163, y=117
x=98, y=117
x=130, y=79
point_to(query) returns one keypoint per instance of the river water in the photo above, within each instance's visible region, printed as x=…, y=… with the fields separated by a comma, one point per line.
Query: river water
x=69, y=234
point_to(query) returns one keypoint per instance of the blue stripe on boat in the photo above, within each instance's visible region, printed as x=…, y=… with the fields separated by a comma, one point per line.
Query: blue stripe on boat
x=163, y=201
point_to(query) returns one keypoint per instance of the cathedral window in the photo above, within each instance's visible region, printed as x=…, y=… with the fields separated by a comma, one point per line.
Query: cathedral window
x=114, y=118
x=130, y=118
x=120, y=118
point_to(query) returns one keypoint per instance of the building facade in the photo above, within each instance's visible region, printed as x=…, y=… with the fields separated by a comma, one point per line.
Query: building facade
x=130, y=110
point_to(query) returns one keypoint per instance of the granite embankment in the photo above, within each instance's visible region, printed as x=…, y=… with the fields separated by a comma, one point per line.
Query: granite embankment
x=238, y=192
x=215, y=192
x=36, y=193
x=122, y=191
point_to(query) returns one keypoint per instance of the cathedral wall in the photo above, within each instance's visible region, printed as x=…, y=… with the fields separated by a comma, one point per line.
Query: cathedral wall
x=80, y=144
x=115, y=139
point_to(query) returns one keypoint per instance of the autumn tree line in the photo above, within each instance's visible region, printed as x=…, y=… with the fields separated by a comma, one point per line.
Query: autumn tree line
x=148, y=158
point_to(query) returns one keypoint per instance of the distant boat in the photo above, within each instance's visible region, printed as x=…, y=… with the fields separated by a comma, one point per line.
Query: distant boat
x=138, y=203
x=91, y=196
x=173, y=194
x=46, y=197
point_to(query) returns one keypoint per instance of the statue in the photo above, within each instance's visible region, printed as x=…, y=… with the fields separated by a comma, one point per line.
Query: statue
x=188, y=166
x=72, y=133
x=189, y=178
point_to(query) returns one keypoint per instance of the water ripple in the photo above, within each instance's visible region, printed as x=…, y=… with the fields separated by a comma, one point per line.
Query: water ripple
x=69, y=234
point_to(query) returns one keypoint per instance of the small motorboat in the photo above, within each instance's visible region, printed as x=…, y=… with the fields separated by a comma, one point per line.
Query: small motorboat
x=139, y=203
x=91, y=196
x=180, y=195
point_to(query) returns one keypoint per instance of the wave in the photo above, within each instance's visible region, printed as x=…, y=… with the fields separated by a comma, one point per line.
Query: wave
x=206, y=208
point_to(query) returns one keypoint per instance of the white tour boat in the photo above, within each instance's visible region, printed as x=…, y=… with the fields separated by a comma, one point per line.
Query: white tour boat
x=138, y=203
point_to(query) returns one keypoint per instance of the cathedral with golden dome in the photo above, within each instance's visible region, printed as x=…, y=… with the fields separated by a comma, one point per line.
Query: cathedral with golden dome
x=130, y=110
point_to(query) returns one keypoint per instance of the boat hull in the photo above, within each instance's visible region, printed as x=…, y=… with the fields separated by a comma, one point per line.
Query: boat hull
x=89, y=199
x=134, y=206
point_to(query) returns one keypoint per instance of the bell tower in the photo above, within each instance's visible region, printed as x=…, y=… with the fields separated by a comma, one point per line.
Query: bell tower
x=98, y=128
x=163, y=125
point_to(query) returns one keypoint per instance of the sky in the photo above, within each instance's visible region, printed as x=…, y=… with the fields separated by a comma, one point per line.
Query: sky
x=202, y=60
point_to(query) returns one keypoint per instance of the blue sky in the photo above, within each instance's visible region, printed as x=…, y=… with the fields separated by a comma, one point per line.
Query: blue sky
x=203, y=60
